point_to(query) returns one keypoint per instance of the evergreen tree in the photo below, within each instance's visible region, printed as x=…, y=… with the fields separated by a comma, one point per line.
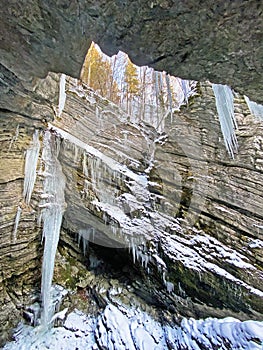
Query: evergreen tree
x=97, y=73
x=132, y=82
x=131, y=79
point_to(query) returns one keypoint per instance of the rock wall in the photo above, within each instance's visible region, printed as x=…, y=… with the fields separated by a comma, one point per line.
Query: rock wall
x=195, y=40
x=187, y=166
x=27, y=107
x=187, y=217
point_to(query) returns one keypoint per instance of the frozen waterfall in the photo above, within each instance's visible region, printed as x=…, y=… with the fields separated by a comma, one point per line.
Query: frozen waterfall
x=53, y=208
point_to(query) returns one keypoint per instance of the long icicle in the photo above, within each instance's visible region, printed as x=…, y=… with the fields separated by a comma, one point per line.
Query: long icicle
x=53, y=209
x=17, y=219
x=31, y=167
x=62, y=94
x=169, y=95
x=225, y=108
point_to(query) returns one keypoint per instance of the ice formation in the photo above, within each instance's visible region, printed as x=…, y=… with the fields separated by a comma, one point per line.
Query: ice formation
x=84, y=236
x=31, y=167
x=17, y=219
x=255, y=108
x=62, y=94
x=119, y=328
x=225, y=108
x=52, y=213
x=98, y=156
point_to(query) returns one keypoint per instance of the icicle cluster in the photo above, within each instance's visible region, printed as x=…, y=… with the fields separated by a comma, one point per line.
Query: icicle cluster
x=139, y=254
x=225, y=108
x=31, y=167
x=255, y=108
x=52, y=213
x=85, y=236
x=30, y=174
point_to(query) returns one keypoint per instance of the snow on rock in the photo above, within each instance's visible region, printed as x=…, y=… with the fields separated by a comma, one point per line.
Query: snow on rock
x=256, y=243
x=79, y=323
x=220, y=251
x=111, y=163
x=122, y=328
x=113, y=330
x=227, y=333
x=181, y=251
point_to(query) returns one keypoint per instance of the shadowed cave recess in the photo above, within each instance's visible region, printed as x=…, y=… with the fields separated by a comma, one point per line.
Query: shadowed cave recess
x=131, y=200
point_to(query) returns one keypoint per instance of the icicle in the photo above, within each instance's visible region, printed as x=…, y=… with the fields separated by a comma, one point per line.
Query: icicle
x=255, y=108
x=52, y=214
x=184, y=84
x=169, y=286
x=84, y=163
x=134, y=254
x=169, y=94
x=161, y=80
x=18, y=214
x=62, y=94
x=157, y=92
x=31, y=167
x=84, y=236
x=180, y=289
x=225, y=108
x=85, y=244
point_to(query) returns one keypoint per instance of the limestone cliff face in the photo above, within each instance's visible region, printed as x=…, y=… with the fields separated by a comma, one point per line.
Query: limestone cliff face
x=187, y=217
x=196, y=40
x=192, y=182
x=26, y=107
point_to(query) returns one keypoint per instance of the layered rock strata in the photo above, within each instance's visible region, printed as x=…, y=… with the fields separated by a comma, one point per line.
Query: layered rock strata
x=187, y=217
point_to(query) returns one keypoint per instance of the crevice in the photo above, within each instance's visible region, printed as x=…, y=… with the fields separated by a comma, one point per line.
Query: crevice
x=160, y=58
